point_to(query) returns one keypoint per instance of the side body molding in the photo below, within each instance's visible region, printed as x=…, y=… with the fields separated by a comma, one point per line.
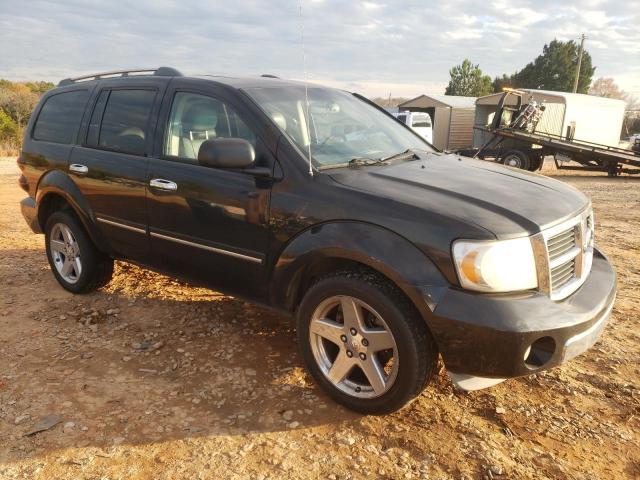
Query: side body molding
x=374, y=246
x=59, y=183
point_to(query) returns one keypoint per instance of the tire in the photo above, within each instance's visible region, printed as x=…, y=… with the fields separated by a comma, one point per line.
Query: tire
x=516, y=159
x=536, y=163
x=77, y=264
x=387, y=319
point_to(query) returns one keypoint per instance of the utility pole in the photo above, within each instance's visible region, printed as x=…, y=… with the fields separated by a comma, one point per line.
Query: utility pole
x=575, y=84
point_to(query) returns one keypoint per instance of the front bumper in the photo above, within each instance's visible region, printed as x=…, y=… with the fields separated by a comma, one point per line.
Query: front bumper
x=502, y=336
x=30, y=214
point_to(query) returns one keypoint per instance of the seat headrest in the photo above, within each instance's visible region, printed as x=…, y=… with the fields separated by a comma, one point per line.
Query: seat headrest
x=200, y=117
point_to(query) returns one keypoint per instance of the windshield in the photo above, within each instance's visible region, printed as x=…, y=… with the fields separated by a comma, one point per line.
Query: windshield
x=339, y=127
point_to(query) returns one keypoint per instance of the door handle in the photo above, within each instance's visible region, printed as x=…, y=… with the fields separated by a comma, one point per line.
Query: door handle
x=163, y=184
x=77, y=168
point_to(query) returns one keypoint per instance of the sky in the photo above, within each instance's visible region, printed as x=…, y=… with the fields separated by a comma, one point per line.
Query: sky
x=403, y=48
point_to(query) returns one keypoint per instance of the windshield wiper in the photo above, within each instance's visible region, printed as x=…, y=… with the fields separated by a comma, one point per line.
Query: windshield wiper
x=366, y=161
x=353, y=163
x=408, y=153
x=363, y=161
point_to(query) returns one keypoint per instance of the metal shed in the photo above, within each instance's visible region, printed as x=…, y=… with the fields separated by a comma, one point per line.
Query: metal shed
x=452, y=118
x=569, y=115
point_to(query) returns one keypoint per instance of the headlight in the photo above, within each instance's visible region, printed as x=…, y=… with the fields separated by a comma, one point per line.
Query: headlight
x=495, y=266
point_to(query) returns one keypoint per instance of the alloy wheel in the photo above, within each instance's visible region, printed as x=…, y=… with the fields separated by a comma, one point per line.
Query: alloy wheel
x=65, y=252
x=353, y=346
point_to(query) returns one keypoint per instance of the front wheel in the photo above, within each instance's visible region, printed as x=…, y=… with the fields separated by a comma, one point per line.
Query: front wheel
x=364, y=343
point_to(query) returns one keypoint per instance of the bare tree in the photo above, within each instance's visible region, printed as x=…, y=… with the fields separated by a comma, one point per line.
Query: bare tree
x=607, y=87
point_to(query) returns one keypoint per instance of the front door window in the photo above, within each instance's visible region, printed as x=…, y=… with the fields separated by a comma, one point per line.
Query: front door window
x=195, y=119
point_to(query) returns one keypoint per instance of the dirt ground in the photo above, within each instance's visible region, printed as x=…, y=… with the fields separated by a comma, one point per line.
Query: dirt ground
x=152, y=378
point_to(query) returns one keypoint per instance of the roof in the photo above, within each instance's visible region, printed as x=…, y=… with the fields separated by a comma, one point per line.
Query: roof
x=264, y=80
x=435, y=100
x=550, y=96
x=252, y=81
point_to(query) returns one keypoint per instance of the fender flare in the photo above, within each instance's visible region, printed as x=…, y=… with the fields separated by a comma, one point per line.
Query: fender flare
x=56, y=182
x=374, y=246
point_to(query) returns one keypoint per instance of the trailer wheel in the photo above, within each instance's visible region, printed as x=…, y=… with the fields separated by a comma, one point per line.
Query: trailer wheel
x=516, y=159
x=536, y=163
x=613, y=171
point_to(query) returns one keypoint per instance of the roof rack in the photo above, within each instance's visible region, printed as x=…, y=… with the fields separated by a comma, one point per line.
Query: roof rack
x=160, y=72
x=269, y=75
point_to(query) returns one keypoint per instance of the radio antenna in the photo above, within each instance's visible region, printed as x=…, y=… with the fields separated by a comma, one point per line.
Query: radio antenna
x=306, y=90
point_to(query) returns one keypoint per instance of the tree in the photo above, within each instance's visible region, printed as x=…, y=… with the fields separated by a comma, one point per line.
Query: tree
x=18, y=101
x=501, y=82
x=467, y=80
x=555, y=69
x=39, y=87
x=388, y=101
x=9, y=131
x=606, y=87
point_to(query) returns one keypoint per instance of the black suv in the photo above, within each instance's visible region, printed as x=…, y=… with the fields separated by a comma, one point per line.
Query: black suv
x=318, y=203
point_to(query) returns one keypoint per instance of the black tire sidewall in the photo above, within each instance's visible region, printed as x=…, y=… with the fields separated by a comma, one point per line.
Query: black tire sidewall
x=89, y=255
x=410, y=378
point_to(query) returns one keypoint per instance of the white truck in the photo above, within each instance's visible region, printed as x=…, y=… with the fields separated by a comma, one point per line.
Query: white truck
x=420, y=122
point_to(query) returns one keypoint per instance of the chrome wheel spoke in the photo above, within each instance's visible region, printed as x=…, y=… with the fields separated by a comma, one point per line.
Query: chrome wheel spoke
x=374, y=373
x=340, y=368
x=379, y=339
x=67, y=235
x=351, y=313
x=77, y=266
x=327, y=329
x=67, y=268
x=57, y=246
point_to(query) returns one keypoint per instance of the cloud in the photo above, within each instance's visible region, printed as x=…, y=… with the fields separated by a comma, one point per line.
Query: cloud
x=379, y=47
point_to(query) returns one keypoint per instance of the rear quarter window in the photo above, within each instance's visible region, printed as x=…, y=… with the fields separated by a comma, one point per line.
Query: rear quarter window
x=123, y=124
x=60, y=117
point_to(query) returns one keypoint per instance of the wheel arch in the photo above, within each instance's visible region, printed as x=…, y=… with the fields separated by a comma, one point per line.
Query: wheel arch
x=331, y=246
x=57, y=190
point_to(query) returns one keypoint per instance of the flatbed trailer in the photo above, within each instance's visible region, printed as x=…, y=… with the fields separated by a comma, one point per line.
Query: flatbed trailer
x=518, y=145
x=589, y=156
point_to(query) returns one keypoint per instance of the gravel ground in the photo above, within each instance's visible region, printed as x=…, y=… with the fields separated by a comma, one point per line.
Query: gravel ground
x=152, y=378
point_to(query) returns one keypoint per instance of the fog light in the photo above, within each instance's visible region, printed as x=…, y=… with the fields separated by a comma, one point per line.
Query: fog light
x=539, y=352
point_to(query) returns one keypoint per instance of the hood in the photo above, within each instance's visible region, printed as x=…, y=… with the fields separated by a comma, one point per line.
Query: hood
x=505, y=201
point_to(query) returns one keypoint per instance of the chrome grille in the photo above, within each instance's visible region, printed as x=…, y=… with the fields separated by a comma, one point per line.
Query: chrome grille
x=564, y=254
x=561, y=243
x=562, y=274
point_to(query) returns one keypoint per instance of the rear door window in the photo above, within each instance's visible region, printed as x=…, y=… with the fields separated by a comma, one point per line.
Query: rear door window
x=60, y=117
x=122, y=125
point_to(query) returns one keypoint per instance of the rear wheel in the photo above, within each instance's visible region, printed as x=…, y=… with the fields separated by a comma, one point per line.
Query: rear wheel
x=364, y=343
x=75, y=261
x=516, y=159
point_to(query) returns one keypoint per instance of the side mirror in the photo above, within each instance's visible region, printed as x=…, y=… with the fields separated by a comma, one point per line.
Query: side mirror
x=226, y=153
